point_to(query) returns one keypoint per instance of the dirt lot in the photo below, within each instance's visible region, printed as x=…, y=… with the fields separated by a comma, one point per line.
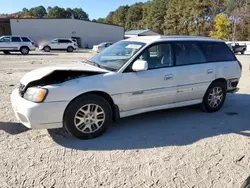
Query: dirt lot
x=173, y=148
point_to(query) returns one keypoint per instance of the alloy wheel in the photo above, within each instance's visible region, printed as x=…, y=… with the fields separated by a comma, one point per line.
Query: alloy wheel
x=215, y=97
x=89, y=118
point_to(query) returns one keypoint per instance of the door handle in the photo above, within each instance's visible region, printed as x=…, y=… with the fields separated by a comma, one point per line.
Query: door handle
x=210, y=71
x=168, y=77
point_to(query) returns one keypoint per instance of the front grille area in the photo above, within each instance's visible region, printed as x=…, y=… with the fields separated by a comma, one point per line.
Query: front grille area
x=21, y=89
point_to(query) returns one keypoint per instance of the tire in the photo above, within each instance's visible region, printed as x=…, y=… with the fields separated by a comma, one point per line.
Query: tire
x=6, y=52
x=243, y=52
x=70, y=49
x=47, y=49
x=219, y=90
x=24, y=50
x=83, y=113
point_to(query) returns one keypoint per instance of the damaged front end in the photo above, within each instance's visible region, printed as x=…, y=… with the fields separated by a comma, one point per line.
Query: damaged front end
x=55, y=77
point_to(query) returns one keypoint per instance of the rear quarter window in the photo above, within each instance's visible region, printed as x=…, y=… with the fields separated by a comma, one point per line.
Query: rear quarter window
x=25, y=39
x=217, y=51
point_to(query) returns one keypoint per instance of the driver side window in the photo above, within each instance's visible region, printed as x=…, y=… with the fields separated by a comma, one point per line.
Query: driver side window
x=158, y=56
x=54, y=41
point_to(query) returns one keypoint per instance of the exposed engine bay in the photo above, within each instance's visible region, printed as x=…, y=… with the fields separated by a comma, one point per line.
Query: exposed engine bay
x=56, y=77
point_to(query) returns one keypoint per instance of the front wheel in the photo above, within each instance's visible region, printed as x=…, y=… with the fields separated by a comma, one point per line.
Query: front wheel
x=47, y=49
x=25, y=50
x=70, y=49
x=243, y=52
x=87, y=116
x=214, y=97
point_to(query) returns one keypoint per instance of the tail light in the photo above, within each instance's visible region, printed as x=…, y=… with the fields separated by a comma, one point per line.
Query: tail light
x=240, y=64
x=33, y=43
x=75, y=44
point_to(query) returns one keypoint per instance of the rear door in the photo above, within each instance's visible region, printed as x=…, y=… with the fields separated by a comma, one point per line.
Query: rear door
x=194, y=74
x=5, y=43
x=16, y=43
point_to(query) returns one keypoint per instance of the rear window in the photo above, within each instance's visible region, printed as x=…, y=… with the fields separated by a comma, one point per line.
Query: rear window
x=25, y=39
x=217, y=51
x=64, y=41
x=16, y=39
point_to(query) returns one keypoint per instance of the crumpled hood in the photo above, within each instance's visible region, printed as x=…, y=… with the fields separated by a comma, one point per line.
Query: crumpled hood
x=38, y=74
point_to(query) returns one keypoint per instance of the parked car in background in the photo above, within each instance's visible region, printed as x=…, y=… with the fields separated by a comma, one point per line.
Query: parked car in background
x=59, y=44
x=132, y=76
x=100, y=47
x=21, y=44
x=239, y=48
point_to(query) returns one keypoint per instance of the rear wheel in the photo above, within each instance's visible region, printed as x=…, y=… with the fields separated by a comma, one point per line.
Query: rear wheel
x=70, y=49
x=25, y=50
x=47, y=49
x=243, y=52
x=6, y=52
x=87, y=117
x=214, y=97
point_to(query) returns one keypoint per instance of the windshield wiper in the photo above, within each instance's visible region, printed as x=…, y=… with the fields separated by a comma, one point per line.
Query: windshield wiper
x=98, y=65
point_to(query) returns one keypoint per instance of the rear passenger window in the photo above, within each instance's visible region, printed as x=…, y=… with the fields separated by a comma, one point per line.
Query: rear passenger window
x=25, y=39
x=188, y=53
x=217, y=51
x=16, y=39
x=64, y=41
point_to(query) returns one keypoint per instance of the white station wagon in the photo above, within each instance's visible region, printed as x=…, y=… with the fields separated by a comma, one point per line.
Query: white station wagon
x=132, y=76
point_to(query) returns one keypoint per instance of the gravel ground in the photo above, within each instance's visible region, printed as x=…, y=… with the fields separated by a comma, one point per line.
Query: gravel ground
x=172, y=148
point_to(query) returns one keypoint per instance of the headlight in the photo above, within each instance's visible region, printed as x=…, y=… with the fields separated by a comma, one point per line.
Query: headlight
x=35, y=94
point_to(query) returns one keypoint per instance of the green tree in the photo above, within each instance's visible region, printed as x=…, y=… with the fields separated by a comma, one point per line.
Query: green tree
x=134, y=17
x=37, y=12
x=199, y=17
x=146, y=15
x=120, y=15
x=177, y=18
x=222, y=27
x=109, y=19
x=69, y=13
x=80, y=14
x=101, y=20
x=157, y=12
x=57, y=12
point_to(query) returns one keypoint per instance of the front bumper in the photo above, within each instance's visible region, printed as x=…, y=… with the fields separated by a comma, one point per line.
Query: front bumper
x=38, y=115
x=41, y=47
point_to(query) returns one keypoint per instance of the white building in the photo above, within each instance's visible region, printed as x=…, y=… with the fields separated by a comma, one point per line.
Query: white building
x=86, y=32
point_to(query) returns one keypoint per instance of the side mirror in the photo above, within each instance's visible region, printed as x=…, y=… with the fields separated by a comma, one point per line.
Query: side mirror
x=140, y=65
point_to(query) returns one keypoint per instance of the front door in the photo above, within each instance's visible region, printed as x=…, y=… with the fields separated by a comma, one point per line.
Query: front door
x=153, y=87
x=54, y=45
x=5, y=43
x=194, y=74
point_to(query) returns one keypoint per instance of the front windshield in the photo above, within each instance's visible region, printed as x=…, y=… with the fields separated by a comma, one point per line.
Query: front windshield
x=116, y=55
